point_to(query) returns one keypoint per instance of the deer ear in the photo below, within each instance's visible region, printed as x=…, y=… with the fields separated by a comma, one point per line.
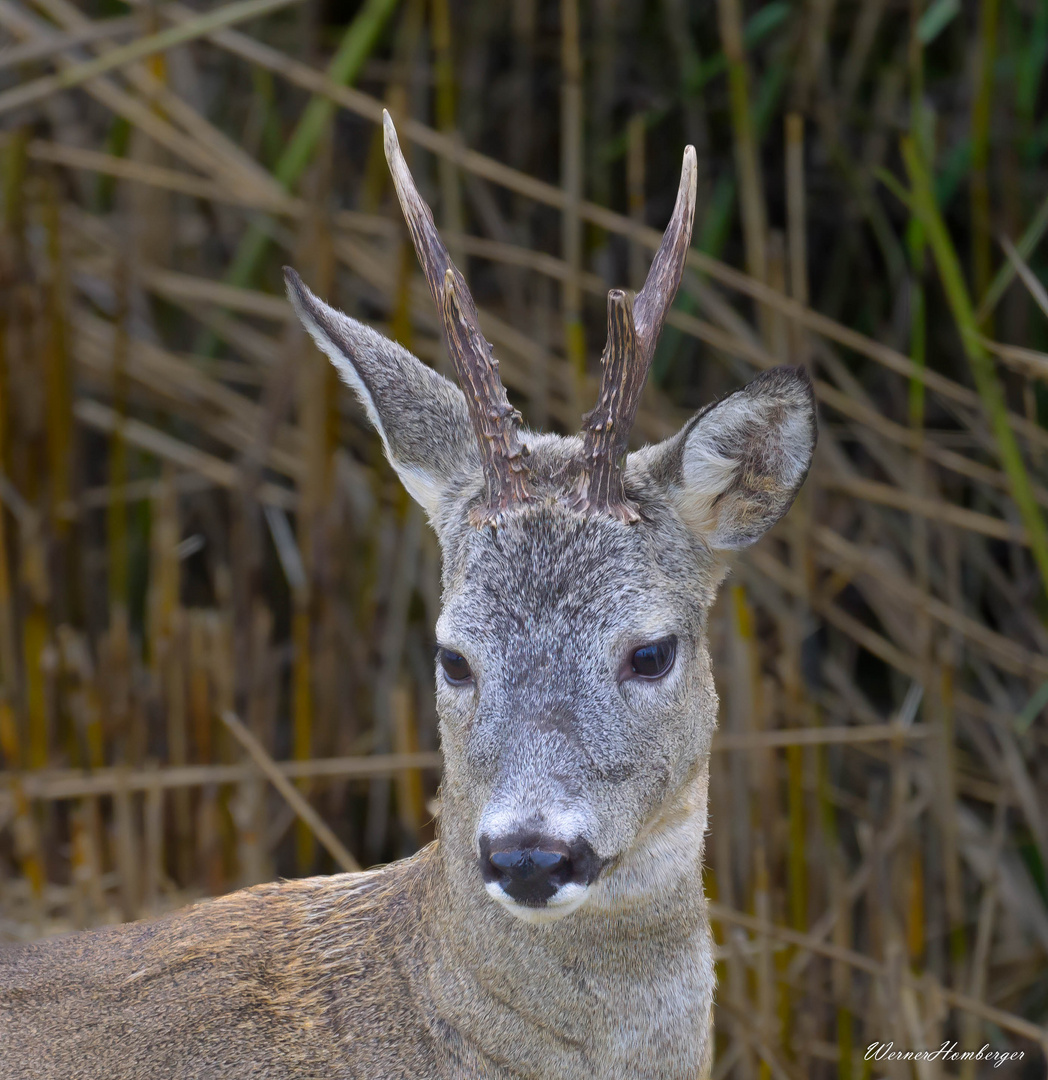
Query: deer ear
x=734, y=470
x=421, y=417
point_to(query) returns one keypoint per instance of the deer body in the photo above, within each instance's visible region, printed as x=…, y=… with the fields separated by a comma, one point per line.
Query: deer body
x=347, y=977
x=558, y=927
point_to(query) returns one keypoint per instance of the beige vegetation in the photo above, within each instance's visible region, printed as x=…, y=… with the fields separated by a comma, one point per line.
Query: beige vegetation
x=210, y=579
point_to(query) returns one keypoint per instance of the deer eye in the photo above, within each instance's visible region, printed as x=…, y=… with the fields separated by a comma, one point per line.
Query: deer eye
x=653, y=660
x=456, y=669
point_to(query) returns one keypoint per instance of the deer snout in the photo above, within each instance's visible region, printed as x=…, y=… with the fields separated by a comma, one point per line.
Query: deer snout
x=531, y=870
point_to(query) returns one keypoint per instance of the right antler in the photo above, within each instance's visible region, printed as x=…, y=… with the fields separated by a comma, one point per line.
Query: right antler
x=495, y=421
x=633, y=332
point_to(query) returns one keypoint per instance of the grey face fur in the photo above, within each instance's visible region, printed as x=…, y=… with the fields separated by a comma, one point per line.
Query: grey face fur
x=553, y=736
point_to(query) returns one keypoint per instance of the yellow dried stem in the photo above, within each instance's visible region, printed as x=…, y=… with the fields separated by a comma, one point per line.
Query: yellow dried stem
x=571, y=178
x=117, y=512
x=410, y=797
x=57, y=369
x=445, y=105
x=302, y=714
x=27, y=840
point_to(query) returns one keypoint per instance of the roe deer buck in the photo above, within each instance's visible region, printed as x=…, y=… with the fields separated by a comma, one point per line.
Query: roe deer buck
x=557, y=928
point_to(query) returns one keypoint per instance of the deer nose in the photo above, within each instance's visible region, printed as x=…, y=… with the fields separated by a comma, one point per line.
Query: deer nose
x=530, y=875
x=530, y=870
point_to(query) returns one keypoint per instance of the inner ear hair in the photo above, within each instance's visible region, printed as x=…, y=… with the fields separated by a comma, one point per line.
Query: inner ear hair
x=421, y=417
x=740, y=463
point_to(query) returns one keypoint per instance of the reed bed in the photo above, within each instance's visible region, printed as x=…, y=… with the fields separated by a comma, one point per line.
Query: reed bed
x=216, y=603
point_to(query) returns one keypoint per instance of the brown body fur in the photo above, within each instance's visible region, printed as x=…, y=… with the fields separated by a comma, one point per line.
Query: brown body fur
x=230, y=988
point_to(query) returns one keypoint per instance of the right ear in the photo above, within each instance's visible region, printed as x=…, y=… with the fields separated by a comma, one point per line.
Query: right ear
x=421, y=417
x=736, y=467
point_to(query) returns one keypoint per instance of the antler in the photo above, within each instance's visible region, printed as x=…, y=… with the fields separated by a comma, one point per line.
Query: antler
x=495, y=421
x=633, y=331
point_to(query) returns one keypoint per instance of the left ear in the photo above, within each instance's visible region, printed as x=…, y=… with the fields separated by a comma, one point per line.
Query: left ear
x=736, y=467
x=421, y=417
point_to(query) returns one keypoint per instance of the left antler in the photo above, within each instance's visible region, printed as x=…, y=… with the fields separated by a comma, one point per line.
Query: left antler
x=495, y=421
x=633, y=332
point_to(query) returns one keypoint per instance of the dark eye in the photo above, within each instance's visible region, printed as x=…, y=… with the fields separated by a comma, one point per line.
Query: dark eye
x=456, y=670
x=653, y=660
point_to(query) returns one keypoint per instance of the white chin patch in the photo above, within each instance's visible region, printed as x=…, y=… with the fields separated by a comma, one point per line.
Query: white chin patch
x=564, y=901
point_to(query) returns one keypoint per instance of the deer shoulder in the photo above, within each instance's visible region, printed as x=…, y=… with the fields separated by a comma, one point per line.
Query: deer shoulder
x=308, y=978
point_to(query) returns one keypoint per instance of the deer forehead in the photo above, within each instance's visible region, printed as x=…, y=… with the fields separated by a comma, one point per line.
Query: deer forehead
x=551, y=578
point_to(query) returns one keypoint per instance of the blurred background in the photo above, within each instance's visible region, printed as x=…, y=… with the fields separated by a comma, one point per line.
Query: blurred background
x=217, y=603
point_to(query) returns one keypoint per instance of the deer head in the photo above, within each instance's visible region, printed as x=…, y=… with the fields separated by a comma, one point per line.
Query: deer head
x=574, y=688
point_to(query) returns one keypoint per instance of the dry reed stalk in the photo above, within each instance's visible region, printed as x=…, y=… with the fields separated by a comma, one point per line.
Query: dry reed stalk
x=83, y=703
x=765, y=1003
x=123, y=104
x=878, y=353
x=801, y=558
x=778, y=331
x=85, y=864
x=36, y=643
x=410, y=798
x=986, y=44
x=111, y=28
x=176, y=712
x=60, y=428
x=390, y=655
x=259, y=700
x=335, y=848
x=552, y=196
x=571, y=178
x=152, y=849
x=797, y=229
x=26, y=835
x=302, y=723
x=200, y=706
x=167, y=628
x=635, y=135
x=977, y=977
x=116, y=523
x=144, y=437
x=61, y=784
x=74, y=75
x=986, y=379
x=747, y=164
x=178, y=180
x=164, y=571
x=313, y=125
x=225, y=156
x=316, y=389
x=860, y=962
x=13, y=163
x=445, y=109
x=128, y=861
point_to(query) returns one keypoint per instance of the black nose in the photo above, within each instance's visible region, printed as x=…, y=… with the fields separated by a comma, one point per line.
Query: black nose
x=531, y=868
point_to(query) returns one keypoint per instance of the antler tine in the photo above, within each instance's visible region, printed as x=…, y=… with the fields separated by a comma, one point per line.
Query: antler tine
x=660, y=286
x=633, y=331
x=495, y=421
x=606, y=435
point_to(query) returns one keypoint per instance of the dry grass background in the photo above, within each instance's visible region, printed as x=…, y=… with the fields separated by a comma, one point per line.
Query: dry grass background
x=207, y=568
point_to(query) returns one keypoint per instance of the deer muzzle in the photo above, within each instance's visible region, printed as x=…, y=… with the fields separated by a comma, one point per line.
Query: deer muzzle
x=538, y=872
